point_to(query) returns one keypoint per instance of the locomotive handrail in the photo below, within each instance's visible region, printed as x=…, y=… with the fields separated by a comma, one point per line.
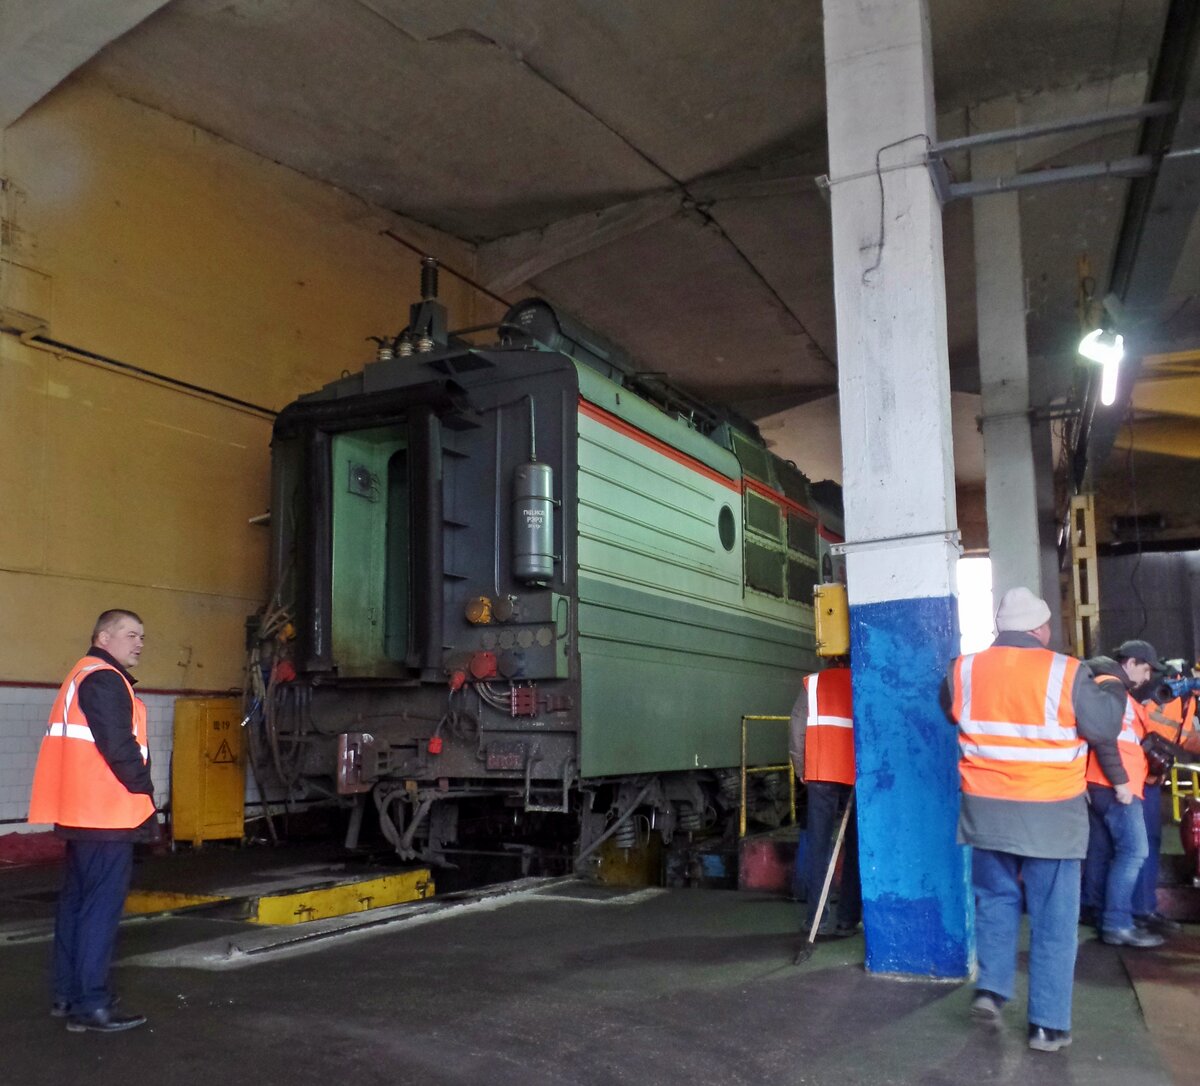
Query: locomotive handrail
x=746, y=770
x=1182, y=788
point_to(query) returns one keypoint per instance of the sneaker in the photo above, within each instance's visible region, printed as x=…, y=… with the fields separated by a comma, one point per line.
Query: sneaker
x=845, y=928
x=104, y=1020
x=986, y=1007
x=59, y=1008
x=1089, y=916
x=1044, y=1039
x=1156, y=922
x=1136, y=937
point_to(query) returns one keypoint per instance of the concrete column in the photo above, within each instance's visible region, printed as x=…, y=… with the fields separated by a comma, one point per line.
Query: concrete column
x=1012, y=511
x=902, y=540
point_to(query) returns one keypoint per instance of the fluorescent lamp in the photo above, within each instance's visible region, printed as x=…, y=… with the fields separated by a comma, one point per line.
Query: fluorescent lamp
x=1099, y=345
x=1107, y=348
x=1108, y=379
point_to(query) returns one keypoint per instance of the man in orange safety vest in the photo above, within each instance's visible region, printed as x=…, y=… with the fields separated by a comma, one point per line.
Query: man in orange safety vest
x=1025, y=715
x=821, y=743
x=92, y=781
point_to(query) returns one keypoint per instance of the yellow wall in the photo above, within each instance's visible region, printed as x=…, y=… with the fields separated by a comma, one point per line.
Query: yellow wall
x=140, y=238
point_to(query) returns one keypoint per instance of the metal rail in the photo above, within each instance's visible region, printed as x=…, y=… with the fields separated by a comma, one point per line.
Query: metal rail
x=746, y=770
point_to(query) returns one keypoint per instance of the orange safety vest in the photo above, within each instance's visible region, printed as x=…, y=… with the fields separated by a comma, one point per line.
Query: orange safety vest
x=72, y=783
x=1181, y=726
x=1017, y=735
x=1129, y=745
x=829, y=734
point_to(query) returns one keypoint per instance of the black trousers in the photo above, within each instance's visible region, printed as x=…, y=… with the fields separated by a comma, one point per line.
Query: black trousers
x=90, y=903
x=826, y=802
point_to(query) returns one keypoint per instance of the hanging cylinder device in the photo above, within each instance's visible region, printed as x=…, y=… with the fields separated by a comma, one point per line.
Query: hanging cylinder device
x=533, y=514
x=533, y=523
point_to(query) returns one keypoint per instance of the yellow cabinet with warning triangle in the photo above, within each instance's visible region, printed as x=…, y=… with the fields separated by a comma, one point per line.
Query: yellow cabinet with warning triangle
x=208, y=770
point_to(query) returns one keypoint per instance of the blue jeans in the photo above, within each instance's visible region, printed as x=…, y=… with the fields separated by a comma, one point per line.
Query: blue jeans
x=826, y=802
x=1145, y=893
x=1051, y=897
x=95, y=883
x=1116, y=852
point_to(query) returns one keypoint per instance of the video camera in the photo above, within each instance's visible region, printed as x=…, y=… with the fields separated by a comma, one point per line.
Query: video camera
x=1179, y=688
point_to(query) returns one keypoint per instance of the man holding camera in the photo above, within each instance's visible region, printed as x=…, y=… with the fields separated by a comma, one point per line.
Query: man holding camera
x=1116, y=778
x=1170, y=715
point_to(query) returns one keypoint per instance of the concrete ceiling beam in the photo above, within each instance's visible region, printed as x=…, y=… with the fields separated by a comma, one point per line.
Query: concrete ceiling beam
x=1168, y=437
x=1169, y=395
x=44, y=41
x=510, y=261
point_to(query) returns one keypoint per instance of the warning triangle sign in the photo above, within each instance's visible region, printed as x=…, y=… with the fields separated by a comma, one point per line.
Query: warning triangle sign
x=224, y=754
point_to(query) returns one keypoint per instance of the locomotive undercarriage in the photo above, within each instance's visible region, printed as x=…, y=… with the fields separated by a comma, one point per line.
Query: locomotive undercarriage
x=531, y=807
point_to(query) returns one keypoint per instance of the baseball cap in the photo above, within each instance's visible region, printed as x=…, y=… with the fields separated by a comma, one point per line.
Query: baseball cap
x=1141, y=651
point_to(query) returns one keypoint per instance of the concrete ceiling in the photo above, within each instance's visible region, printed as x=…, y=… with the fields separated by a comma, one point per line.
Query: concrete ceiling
x=650, y=166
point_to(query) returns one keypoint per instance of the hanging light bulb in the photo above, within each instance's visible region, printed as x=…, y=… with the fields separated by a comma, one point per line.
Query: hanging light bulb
x=1107, y=348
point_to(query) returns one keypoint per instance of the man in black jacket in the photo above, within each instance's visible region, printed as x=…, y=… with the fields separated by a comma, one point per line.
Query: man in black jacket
x=93, y=782
x=1117, y=845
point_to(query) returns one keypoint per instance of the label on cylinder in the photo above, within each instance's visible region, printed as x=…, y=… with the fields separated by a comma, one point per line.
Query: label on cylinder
x=533, y=523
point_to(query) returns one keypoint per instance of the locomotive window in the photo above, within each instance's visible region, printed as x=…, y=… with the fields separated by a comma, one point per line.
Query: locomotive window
x=793, y=482
x=801, y=578
x=764, y=568
x=763, y=515
x=802, y=534
x=726, y=528
x=755, y=460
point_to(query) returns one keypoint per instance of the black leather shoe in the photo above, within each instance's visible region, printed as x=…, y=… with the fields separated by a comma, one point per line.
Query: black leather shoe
x=1044, y=1039
x=1136, y=937
x=1156, y=922
x=59, y=1008
x=986, y=1007
x=104, y=1020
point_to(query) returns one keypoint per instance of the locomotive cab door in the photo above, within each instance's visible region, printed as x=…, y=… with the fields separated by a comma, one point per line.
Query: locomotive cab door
x=371, y=552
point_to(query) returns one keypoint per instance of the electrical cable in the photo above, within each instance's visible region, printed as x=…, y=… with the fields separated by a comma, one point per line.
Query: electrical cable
x=883, y=197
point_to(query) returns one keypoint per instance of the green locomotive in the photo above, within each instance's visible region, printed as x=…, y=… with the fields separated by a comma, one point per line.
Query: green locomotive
x=527, y=583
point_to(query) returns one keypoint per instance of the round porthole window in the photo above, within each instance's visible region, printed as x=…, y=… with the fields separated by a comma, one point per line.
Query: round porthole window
x=726, y=527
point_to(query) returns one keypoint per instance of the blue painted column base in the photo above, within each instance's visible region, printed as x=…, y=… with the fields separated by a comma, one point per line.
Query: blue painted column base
x=917, y=906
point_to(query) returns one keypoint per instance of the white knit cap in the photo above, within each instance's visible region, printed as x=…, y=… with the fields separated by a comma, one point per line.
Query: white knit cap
x=1020, y=610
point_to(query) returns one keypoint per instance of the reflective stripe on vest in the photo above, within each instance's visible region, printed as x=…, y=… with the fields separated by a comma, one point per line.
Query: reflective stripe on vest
x=1017, y=735
x=829, y=733
x=82, y=731
x=72, y=783
x=1129, y=746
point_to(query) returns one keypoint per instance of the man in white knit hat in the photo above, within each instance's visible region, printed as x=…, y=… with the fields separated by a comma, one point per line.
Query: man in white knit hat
x=1025, y=716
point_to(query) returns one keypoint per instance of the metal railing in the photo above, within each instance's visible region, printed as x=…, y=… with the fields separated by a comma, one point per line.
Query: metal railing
x=746, y=770
x=1184, y=783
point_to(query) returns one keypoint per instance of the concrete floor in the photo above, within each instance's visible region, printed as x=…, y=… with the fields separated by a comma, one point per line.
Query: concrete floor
x=556, y=982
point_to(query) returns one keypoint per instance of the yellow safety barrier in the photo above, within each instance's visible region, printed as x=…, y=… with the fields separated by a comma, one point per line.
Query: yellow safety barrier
x=1185, y=784
x=747, y=770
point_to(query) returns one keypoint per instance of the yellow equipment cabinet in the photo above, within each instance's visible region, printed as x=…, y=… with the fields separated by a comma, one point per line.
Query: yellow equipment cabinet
x=831, y=612
x=208, y=770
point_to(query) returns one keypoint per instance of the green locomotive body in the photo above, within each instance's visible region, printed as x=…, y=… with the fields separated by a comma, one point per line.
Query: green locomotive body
x=530, y=575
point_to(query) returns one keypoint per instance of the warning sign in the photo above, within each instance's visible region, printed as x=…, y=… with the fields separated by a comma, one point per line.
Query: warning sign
x=224, y=755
